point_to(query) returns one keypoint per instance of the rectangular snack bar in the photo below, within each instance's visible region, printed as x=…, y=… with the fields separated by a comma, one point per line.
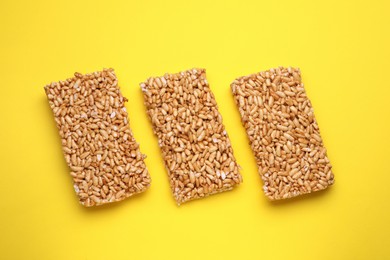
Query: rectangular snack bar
x=104, y=158
x=283, y=133
x=194, y=144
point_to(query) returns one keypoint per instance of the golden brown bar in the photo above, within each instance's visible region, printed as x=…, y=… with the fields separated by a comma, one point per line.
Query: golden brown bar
x=104, y=158
x=194, y=144
x=283, y=133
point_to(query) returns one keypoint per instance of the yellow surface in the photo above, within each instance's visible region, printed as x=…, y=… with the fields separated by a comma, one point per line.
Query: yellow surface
x=342, y=49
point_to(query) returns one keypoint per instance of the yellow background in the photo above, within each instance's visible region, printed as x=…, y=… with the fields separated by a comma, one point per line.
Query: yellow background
x=342, y=49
